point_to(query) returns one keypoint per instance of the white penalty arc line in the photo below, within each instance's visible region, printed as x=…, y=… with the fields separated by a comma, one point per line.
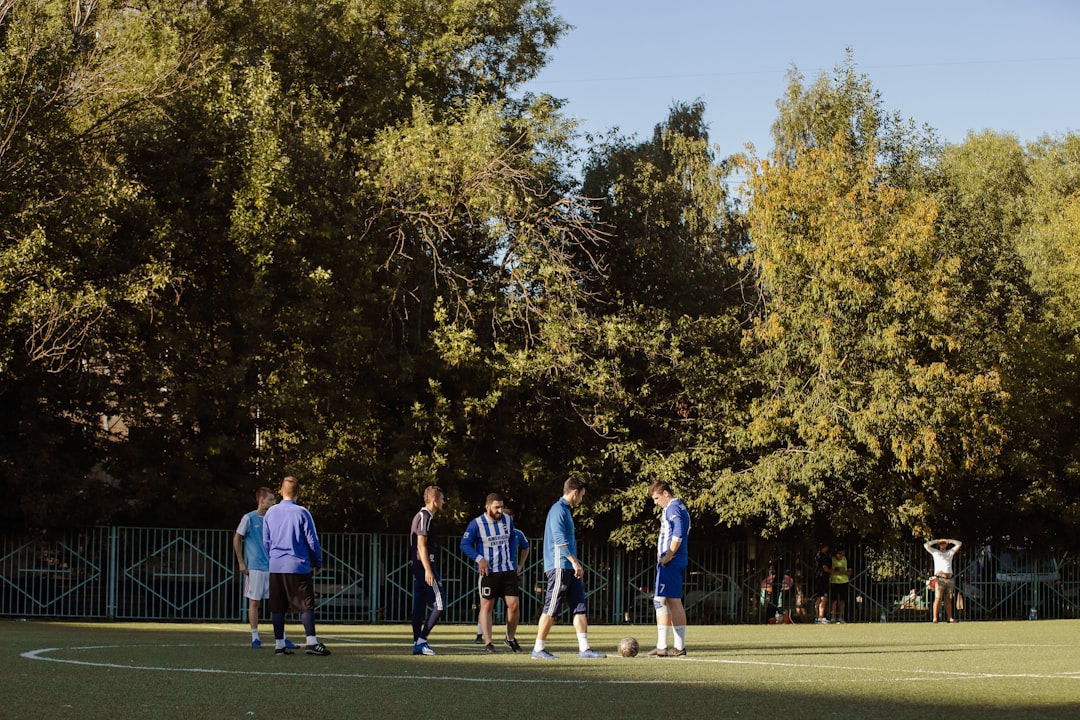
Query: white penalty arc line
x=41, y=655
x=916, y=674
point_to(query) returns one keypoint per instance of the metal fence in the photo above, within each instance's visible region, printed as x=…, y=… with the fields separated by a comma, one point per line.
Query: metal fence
x=124, y=573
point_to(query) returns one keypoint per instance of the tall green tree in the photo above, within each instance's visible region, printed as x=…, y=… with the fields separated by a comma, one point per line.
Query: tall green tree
x=655, y=376
x=883, y=396
x=72, y=75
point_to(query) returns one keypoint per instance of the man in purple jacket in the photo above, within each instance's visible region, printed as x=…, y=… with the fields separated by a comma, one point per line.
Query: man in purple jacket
x=295, y=555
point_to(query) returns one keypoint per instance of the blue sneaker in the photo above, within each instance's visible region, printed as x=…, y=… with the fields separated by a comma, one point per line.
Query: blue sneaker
x=256, y=644
x=422, y=649
x=542, y=655
x=590, y=654
x=289, y=644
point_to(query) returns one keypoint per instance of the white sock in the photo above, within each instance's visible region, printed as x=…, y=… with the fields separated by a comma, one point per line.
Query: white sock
x=680, y=637
x=583, y=641
x=312, y=640
x=254, y=633
x=538, y=645
x=661, y=636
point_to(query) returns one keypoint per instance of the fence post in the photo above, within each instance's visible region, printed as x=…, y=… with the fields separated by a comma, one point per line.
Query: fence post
x=373, y=579
x=619, y=594
x=110, y=576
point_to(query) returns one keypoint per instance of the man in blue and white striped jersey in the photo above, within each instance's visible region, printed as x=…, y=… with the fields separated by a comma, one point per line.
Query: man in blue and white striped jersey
x=491, y=542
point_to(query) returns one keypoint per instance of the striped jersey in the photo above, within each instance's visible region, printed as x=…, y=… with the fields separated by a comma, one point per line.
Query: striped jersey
x=494, y=540
x=674, y=523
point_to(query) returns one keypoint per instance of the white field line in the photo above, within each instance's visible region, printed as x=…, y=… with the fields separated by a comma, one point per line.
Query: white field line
x=42, y=655
x=909, y=674
x=916, y=673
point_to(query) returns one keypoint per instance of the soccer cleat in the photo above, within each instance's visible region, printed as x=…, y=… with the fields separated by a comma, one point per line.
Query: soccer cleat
x=290, y=644
x=489, y=648
x=282, y=651
x=658, y=652
x=512, y=644
x=422, y=649
x=590, y=654
x=821, y=621
x=256, y=644
x=316, y=649
x=676, y=653
x=542, y=655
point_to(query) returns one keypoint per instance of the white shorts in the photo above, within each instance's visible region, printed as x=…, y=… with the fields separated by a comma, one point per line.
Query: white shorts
x=257, y=586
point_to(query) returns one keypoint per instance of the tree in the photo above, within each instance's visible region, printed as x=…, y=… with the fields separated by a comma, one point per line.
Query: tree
x=877, y=393
x=650, y=370
x=71, y=76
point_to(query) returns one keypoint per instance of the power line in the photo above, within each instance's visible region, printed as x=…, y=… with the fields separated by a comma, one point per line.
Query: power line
x=748, y=73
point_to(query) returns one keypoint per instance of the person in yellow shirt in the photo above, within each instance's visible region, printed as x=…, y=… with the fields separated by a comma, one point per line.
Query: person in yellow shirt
x=839, y=585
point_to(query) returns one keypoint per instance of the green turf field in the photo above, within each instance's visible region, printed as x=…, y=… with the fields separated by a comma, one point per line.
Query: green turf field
x=968, y=670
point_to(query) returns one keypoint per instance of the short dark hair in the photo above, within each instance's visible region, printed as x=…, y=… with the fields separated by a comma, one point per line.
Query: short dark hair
x=660, y=486
x=494, y=497
x=573, y=483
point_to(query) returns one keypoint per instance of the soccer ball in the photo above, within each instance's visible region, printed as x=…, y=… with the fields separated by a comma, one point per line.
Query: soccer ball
x=628, y=647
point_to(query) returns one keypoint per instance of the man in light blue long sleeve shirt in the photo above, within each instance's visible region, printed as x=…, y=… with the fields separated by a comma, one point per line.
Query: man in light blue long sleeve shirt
x=564, y=573
x=292, y=544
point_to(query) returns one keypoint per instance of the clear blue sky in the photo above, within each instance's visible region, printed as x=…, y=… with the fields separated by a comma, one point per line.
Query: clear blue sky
x=956, y=65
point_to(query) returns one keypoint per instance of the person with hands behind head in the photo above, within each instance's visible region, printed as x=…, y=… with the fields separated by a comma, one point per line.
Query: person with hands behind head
x=944, y=585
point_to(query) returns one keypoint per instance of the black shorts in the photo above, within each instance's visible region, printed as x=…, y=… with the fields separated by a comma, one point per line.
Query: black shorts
x=840, y=591
x=291, y=592
x=500, y=585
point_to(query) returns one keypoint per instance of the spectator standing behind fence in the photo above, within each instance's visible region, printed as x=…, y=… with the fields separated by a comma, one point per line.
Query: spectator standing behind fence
x=427, y=583
x=839, y=585
x=490, y=542
x=253, y=561
x=564, y=572
x=671, y=563
x=822, y=571
x=944, y=585
x=292, y=544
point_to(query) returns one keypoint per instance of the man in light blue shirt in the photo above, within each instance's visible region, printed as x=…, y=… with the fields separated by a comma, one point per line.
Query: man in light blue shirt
x=253, y=561
x=564, y=573
x=292, y=544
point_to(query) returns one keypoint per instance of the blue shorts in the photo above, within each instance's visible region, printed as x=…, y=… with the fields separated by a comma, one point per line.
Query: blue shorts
x=562, y=585
x=669, y=580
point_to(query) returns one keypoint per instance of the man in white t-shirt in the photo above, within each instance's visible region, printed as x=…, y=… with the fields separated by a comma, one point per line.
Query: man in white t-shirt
x=944, y=586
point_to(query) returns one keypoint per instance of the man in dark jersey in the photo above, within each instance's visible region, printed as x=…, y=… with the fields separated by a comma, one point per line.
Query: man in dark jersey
x=427, y=585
